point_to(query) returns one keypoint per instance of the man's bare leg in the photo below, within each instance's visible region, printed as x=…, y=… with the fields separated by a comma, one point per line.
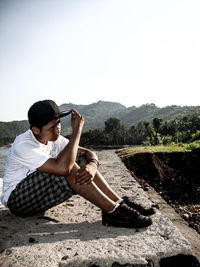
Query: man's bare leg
x=100, y=181
x=92, y=192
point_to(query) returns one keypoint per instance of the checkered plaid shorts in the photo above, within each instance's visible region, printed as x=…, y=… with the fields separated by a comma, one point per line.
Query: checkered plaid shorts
x=38, y=192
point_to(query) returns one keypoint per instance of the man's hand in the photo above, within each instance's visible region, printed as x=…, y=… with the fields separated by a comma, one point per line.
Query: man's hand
x=77, y=121
x=86, y=174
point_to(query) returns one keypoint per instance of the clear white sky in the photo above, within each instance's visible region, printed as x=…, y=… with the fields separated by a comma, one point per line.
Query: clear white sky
x=81, y=51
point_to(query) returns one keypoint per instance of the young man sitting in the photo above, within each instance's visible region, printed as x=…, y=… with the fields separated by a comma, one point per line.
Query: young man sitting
x=41, y=171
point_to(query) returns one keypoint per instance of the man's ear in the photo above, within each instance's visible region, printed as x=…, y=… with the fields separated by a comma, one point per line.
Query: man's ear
x=35, y=130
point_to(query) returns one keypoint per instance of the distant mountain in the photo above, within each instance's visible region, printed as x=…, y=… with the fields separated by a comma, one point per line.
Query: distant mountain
x=94, y=114
x=147, y=112
x=12, y=128
x=97, y=113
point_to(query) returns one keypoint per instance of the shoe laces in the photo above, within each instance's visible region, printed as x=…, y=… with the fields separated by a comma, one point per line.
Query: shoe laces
x=129, y=210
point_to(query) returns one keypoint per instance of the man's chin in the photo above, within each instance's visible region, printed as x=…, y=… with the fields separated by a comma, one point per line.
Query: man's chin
x=55, y=138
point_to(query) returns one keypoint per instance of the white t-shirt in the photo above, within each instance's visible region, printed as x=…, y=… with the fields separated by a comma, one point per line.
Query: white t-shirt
x=24, y=157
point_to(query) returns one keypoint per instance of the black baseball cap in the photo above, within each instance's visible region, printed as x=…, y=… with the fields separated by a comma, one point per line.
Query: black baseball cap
x=42, y=112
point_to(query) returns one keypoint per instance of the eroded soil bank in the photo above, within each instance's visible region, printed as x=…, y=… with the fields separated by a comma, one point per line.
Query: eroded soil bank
x=175, y=176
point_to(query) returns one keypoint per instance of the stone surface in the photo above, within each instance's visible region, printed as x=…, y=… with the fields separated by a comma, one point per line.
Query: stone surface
x=71, y=234
x=1, y=185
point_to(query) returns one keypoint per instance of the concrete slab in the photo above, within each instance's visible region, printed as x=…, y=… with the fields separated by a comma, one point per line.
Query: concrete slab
x=71, y=234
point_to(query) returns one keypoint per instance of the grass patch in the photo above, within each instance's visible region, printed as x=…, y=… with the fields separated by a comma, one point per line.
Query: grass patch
x=130, y=151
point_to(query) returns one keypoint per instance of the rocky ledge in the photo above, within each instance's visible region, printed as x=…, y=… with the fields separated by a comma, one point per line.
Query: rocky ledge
x=72, y=234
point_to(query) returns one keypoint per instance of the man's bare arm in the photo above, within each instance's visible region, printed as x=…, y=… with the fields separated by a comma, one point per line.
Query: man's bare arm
x=88, y=153
x=64, y=163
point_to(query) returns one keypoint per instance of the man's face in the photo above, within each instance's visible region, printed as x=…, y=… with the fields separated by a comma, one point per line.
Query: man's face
x=50, y=131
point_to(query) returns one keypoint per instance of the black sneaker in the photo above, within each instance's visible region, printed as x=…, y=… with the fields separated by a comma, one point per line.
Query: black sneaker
x=142, y=210
x=124, y=216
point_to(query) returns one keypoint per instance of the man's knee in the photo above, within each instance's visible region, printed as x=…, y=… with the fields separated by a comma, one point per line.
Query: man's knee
x=72, y=173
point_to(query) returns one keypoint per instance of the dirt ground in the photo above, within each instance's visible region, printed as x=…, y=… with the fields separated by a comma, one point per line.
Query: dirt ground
x=175, y=176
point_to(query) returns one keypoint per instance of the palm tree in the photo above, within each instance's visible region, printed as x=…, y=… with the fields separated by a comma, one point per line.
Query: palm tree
x=157, y=122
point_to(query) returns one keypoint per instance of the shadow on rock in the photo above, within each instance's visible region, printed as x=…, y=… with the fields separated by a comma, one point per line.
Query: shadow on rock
x=20, y=231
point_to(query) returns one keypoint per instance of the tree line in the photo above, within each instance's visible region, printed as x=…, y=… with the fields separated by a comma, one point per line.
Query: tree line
x=144, y=133
x=186, y=129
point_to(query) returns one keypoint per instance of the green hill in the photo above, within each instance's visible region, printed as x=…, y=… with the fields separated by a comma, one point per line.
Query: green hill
x=96, y=114
x=147, y=112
